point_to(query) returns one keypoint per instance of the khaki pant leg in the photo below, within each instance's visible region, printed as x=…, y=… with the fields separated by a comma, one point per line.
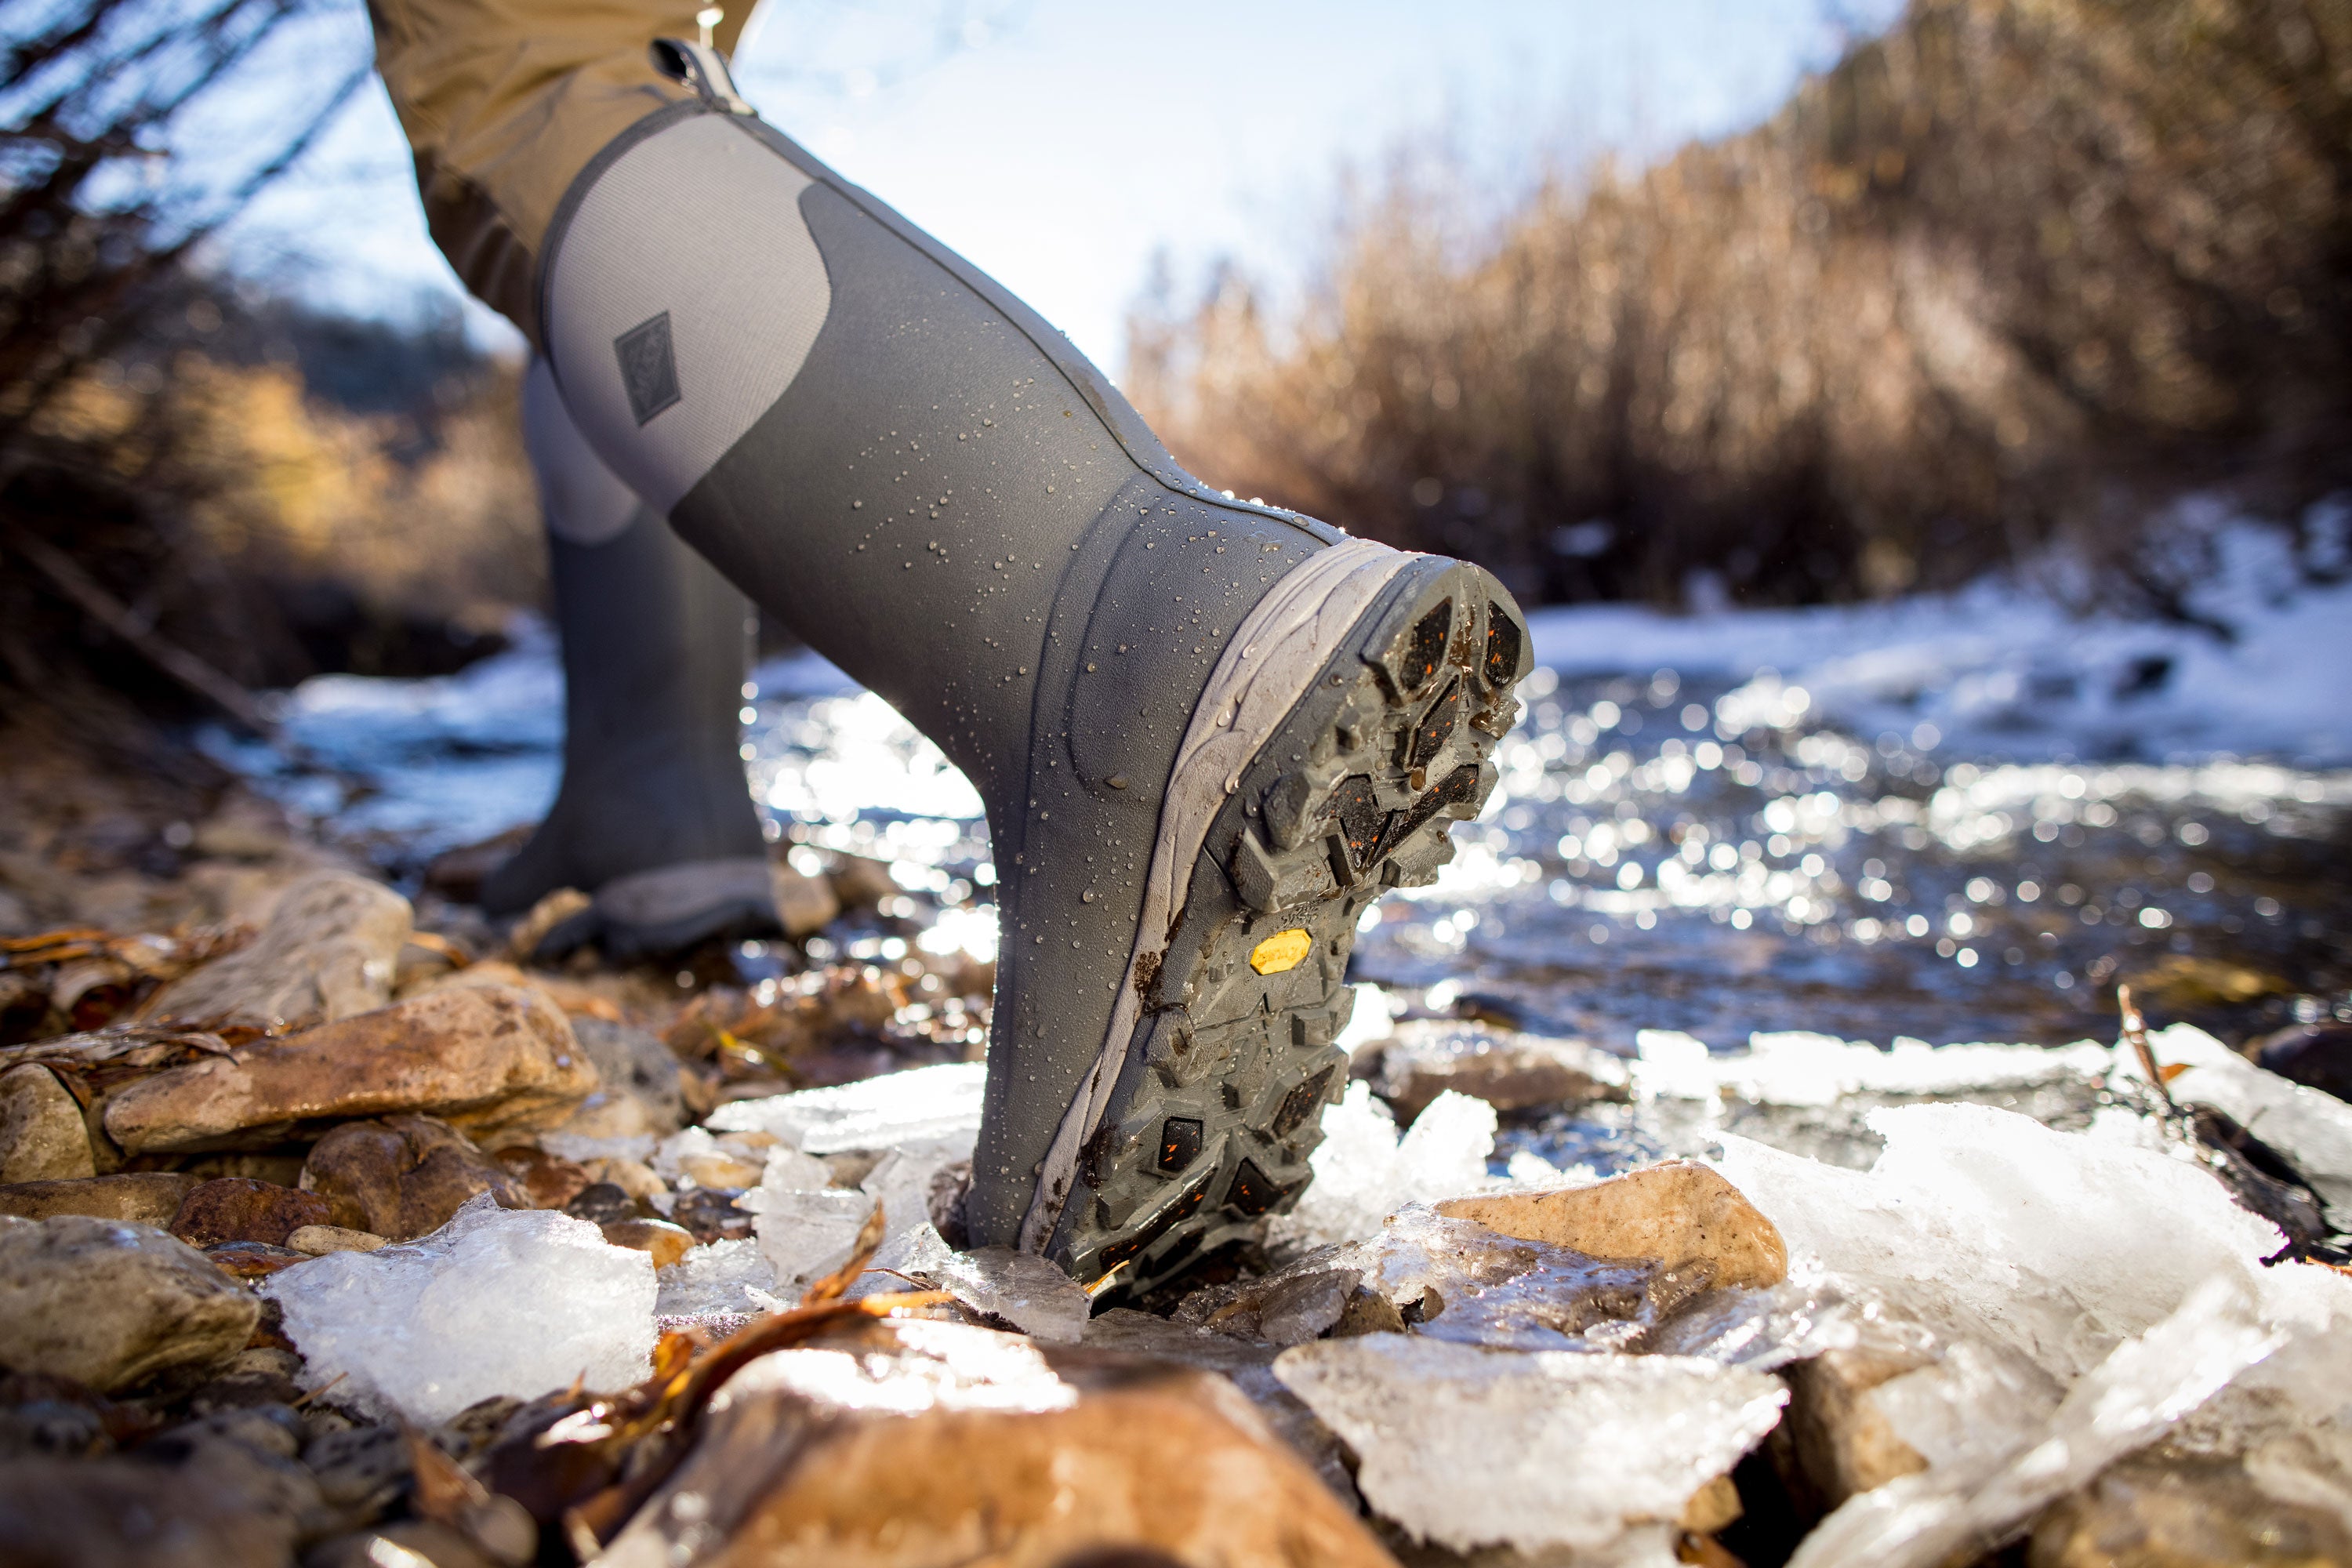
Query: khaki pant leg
x=505, y=101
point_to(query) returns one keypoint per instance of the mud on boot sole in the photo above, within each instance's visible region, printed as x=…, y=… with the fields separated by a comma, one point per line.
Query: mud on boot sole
x=1232, y=1059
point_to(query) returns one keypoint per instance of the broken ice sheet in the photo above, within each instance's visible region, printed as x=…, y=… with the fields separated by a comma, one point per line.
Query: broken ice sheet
x=2059, y=1245
x=724, y=1277
x=2141, y=1390
x=1799, y=1068
x=921, y=1105
x=497, y=1301
x=1469, y=1448
x=805, y=1227
x=1032, y=1294
x=2312, y=1130
x=1364, y=1172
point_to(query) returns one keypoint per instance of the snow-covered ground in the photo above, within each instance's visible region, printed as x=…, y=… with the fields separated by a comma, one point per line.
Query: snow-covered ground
x=2001, y=670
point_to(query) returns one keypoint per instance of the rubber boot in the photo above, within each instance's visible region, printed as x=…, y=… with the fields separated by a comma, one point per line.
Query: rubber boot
x=653, y=817
x=1208, y=732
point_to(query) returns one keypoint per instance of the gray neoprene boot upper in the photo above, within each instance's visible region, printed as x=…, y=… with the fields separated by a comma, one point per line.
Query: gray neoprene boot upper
x=1207, y=733
x=653, y=816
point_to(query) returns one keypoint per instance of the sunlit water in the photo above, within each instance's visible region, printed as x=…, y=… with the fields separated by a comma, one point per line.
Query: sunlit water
x=1661, y=853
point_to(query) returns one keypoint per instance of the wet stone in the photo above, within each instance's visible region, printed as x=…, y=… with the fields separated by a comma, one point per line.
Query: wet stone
x=132, y=1513
x=711, y=1213
x=253, y=1259
x=109, y=1304
x=1508, y=1071
x=2178, y=1512
x=2317, y=1056
x=404, y=1176
x=329, y=951
x=142, y=1197
x=1681, y=1215
x=490, y=1059
x=602, y=1202
x=317, y=1240
x=42, y=1135
x=664, y=1242
x=635, y=1062
x=237, y=1208
x=550, y=1181
x=1013, y=1453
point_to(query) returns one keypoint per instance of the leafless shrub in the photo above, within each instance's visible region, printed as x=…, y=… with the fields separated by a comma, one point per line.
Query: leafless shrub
x=1992, y=291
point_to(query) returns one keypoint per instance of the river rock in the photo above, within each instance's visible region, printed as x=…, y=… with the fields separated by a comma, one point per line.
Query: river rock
x=109, y=1303
x=403, y=1176
x=634, y=1062
x=142, y=1197
x=1014, y=1453
x=42, y=1135
x=550, y=1179
x=490, y=1059
x=237, y=1208
x=1835, y=1441
x=666, y=1243
x=132, y=1513
x=329, y=951
x=1681, y=1215
x=1508, y=1071
x=2162, y=1511
x=317, y=1240
x=2317, y=1056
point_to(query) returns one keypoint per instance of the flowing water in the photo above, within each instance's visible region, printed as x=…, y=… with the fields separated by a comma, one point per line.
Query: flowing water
x=1700, y=853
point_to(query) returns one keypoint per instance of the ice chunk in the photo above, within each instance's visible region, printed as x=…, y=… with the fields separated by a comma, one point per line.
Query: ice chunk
x=806, y=1229
x=1468, y=1448
x=1022, y=1288
x=903, y=1181
x=2142, y=1389
x=2057, y=1244
x=2312, y=1130
x=1673, y=1066
x=717, y=1278
x=1364, y=1172
x=921, y=1104
x=497, y=1302
x=1800, y=1068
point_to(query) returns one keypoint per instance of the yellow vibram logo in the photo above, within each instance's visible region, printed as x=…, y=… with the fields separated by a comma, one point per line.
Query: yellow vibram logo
x=1281, y=950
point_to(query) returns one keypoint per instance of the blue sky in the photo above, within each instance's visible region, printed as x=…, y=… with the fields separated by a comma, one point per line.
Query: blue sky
x=1060, y=144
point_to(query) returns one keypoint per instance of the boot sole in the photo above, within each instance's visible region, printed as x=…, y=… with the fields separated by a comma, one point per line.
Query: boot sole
x=1231, y=1055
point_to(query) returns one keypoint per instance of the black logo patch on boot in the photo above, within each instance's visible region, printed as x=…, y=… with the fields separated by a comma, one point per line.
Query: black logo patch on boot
x=649, y=369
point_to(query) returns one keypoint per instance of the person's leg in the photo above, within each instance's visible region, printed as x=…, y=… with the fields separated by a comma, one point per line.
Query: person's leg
x=656, y=645
x=1209, y=734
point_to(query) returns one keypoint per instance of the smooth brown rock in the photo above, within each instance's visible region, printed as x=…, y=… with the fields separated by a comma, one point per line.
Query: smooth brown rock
x=42, y=1135
x=237, y=1208
x=404, y=1176
x=490, y=1059
x=2158, y=1512
x=1682, y=1215
x=108, y=1304
x=1834, y=1441
x=668, y=1243
x=1508, y=1071
x=142, y=1197
x=127, y=1513
x=253, y=1259
x=329, y=951
x=550, y=1179
x=1016, y=1457
x=317, y=1240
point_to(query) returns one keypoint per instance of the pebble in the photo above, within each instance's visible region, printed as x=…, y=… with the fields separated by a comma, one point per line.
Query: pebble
x=142, y=1197
x=109, y=1303
x=238, y=1208
x=668, y=1243
x=2181, y=1513
x=317, y=1240
x=403, y=1176
x=329, y=951
x=1681, y=1215
x=42, y=1135
x=490, y=1059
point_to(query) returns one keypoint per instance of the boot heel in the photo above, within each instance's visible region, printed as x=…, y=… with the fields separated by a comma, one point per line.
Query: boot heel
x=1208, y=1131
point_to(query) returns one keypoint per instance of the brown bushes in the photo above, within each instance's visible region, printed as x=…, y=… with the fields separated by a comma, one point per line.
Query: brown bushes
x=2008, y=279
